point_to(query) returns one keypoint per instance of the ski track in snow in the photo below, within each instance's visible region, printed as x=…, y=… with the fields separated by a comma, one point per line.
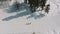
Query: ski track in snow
x=49, y=24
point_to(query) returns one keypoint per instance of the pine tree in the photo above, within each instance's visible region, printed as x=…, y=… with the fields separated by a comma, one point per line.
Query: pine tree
x=42, y=3
x=25, y=1
x=47, y=8
x=32, y=7
x=36, y=3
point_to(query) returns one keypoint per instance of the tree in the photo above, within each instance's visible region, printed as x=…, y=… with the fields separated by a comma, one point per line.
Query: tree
x=25, y=1
x=42, y=3
x=34, y=4
x=47, y=8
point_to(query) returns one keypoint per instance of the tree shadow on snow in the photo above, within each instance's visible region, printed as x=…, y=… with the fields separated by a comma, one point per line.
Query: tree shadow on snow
x=13, y=9
x=23, y=6
x=36, y=16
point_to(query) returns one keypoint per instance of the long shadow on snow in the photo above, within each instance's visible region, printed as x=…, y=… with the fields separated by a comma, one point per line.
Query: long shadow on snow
x=27, y=12
x=13, y=8
x=36, y=16
x=23, y=6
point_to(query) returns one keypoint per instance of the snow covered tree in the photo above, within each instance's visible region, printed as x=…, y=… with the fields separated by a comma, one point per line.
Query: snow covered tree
x=25, y=1
x=47, y=8
x=42, y=3
x=35, y=4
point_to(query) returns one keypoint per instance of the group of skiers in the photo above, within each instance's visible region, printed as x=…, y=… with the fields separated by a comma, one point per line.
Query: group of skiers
x=36, y=3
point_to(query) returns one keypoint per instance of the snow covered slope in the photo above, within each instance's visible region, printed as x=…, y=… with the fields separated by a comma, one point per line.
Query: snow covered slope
x=28, y=23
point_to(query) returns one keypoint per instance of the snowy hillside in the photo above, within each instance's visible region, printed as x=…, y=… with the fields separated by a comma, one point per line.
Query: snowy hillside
x=24, y=22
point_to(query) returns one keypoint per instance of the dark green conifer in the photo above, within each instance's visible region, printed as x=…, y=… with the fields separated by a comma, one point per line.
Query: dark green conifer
x=25, y=1
x=47, y=8
x=34, y=4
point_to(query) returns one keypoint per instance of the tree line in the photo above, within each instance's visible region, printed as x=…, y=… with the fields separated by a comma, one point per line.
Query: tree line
x=34, y=4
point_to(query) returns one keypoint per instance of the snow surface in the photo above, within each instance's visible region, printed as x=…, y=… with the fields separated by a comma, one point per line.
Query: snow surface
x=48, y=24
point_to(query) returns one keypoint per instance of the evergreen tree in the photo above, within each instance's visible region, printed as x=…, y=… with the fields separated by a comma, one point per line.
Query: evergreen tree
x=42, y=3
x=25, y=1
x=36, y=3
x=47, y=8
x=32, y=5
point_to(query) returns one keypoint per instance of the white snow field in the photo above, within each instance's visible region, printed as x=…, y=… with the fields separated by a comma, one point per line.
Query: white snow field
x=49, y=24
